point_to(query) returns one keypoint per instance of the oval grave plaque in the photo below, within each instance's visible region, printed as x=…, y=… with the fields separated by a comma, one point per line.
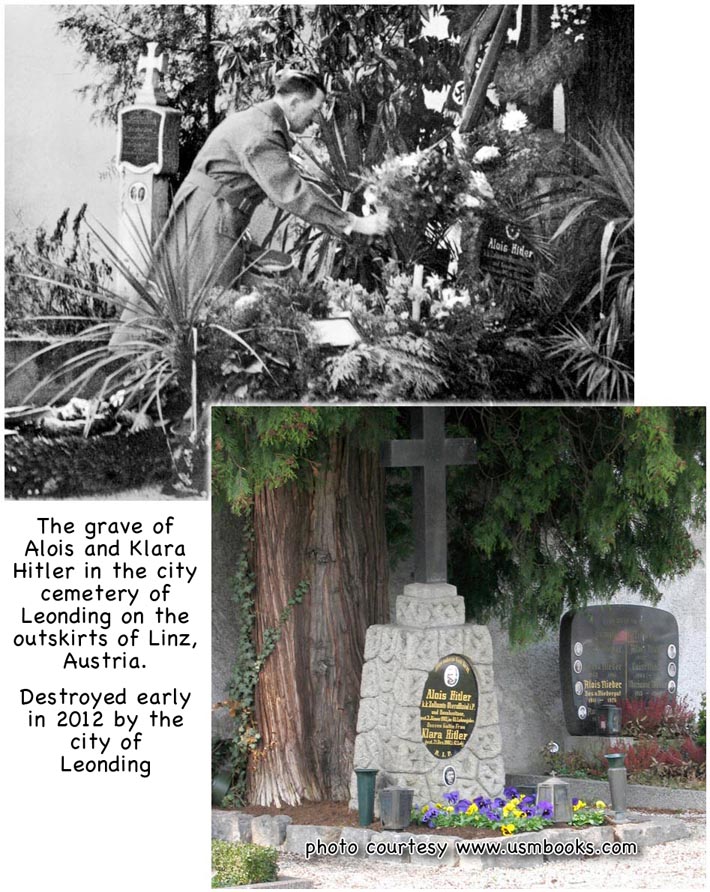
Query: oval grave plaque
x=449, y=706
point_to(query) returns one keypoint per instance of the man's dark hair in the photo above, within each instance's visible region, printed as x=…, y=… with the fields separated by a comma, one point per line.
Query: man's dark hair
x=304, y=82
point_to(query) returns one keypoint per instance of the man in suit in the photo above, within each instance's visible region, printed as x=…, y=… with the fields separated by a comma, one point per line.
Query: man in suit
x=245, y=159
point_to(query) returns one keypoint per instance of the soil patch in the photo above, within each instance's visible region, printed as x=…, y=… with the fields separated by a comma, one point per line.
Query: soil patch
x=337, y=814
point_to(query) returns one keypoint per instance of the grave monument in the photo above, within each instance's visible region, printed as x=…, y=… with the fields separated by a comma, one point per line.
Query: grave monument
x=615, y=652
x=428, y=715
x=147, y=156
x=506, y=254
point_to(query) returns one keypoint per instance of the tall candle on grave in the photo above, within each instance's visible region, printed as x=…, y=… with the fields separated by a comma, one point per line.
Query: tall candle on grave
x=417, y=291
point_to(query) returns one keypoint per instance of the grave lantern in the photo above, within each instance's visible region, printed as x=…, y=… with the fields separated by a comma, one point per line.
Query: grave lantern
x=556, y=792
x=396, y=807
x=608, y=720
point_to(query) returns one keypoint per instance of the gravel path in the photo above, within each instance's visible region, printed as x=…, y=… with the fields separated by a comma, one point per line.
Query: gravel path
x=670, y=866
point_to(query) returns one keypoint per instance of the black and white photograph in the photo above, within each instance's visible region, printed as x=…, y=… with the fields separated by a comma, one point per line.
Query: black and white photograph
x=354, y=516
x=304, y=205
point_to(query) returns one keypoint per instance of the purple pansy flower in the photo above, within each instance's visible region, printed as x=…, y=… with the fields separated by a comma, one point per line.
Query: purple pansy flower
x=544, y=809
x=462, y=805
x=499, y=802
x=452, y=798
x=510, y=793
x=429, y=815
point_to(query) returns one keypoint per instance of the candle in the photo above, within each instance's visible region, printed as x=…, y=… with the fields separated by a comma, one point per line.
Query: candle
x=417, y=291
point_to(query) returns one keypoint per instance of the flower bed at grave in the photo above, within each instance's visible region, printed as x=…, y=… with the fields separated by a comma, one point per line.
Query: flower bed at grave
x=510, y=813
x=668, y=749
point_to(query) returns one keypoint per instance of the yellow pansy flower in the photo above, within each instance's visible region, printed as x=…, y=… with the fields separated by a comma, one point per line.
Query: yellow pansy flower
x=449, y=809
x=472, y=809
x=599, y=804
x=518, y=813
x=507, y=829
x=580, y=804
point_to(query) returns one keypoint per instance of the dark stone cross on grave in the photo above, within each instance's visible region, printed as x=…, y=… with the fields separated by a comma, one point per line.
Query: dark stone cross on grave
x=428, y=453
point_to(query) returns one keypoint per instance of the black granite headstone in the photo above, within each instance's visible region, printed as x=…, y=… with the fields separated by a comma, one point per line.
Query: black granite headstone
x=615, y=652
x=449, y=706
x=506, y=254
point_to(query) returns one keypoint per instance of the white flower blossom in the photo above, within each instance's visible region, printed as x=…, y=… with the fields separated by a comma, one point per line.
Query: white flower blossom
x=487, y=153
x=409, y=163
x=117, y=399
x=451, y=298
x=513, y=120
x=469, y=201
x=433, y=283
x=479, y=183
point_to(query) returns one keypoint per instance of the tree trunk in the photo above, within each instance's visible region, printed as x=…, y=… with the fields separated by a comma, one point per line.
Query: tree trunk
x=602, y=91
x=330, y=533
x=474, y=103
x=211, y=70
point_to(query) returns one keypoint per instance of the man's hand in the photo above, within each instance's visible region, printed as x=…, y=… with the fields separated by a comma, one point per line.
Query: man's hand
x=375, y=224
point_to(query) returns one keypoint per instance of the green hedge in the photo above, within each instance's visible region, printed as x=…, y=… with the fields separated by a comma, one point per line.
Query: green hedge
x=237, y=864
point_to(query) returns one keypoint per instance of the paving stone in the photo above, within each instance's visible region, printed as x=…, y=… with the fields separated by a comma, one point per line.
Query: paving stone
x=298, y=835
x=450, y=857
x=569, y=837
x=511, y=860
x=359, y=835
x=391, y=840
x=658, y=829
x=268, y=830
x=231, y=826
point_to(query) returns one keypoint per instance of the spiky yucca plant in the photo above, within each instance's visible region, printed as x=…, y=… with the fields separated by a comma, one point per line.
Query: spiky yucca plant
x=149, y=349
x=599, y=349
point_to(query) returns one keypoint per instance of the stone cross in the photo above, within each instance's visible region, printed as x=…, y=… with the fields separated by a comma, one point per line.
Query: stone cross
x=152, y=92
x=428, y=453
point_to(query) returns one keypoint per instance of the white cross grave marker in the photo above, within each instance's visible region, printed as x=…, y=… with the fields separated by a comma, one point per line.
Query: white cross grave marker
x=151, y=91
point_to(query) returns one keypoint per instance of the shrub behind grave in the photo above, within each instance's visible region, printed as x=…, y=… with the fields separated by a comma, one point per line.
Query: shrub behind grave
x=40, y=270
x=236, y=864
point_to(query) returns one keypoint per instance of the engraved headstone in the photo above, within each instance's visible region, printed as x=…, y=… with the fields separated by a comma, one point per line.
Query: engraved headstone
x=506, y=254
x=615, y=652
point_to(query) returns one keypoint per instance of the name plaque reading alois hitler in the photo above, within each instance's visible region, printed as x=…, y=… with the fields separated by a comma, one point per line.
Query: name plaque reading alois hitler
x=449, y=706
